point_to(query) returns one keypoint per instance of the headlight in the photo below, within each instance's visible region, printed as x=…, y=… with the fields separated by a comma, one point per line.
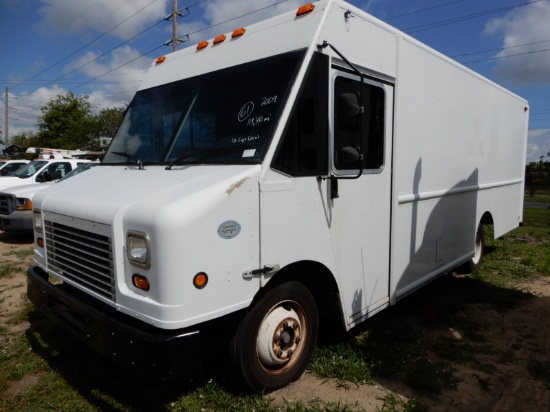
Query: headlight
x=137, y=249
x=22, y=203
x=37, y=219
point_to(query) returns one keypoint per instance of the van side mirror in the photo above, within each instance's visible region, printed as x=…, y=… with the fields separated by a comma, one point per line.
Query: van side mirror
x=349, y=112
x=349, y=156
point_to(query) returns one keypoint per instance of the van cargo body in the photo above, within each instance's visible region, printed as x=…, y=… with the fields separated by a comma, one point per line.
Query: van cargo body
x=303, y=173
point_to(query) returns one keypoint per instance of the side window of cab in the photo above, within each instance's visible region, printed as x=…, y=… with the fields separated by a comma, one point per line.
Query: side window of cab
x=349, y=137
x=54, y=171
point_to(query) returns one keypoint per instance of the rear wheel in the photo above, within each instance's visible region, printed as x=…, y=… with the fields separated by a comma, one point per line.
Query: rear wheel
x=479, y=249
x=276, y=338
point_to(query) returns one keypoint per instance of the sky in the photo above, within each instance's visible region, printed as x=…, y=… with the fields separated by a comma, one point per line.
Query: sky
x=102, y=48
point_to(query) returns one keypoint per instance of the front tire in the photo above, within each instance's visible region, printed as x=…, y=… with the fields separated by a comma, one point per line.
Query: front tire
x=276, y=338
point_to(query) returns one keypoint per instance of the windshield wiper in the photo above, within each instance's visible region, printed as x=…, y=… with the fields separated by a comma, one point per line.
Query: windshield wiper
x=130, y=156
x=205, y=153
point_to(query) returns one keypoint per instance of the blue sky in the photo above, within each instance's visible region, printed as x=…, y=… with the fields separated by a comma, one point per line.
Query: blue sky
x=102, y=48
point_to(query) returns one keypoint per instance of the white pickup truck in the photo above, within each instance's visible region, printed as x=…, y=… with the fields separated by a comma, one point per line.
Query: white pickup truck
x=40, y=171
x=8, y=167
x=16, y=202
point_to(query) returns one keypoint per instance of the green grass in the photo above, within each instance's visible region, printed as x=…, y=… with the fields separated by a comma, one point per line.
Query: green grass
x=398, y=343
x=20, y=253
x=537, y=217
x=44, y=369
x=537, y=198
x=8, y=270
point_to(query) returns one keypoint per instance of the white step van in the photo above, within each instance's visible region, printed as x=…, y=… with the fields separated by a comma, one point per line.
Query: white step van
x=304, y=172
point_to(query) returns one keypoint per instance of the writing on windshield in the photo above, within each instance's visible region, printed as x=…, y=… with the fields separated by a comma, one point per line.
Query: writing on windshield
x=237, y=107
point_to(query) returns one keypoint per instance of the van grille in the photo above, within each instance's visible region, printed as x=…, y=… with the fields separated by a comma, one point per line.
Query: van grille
x=82, y=257
x=7, y=203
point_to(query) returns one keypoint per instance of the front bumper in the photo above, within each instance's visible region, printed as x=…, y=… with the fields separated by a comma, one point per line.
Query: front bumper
x=148, y=351
x=17, y=221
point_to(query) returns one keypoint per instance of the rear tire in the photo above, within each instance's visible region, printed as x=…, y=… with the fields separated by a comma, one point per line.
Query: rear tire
x=479, y=250
x=276, y=338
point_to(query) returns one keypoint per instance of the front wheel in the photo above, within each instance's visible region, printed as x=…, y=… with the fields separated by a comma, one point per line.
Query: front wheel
x=276, y=338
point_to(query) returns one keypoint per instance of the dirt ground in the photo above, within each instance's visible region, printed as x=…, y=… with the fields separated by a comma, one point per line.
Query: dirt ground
x=508, y=385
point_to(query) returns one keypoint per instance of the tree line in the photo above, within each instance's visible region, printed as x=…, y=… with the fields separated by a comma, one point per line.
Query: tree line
x=68, y=122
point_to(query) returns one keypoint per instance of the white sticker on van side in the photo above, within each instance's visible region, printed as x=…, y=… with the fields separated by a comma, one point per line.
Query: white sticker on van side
x=229, y=229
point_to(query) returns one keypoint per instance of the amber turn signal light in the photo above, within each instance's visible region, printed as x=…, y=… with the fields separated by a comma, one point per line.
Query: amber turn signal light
x=140, y=282
x=200, y=280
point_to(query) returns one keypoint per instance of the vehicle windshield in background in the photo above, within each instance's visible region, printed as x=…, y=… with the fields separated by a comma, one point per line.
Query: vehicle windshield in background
x=30, y=169
x=227, y=116
x=79, y=169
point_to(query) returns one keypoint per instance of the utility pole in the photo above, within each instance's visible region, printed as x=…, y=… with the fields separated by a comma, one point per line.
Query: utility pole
x=174, y=16
x=6, y=131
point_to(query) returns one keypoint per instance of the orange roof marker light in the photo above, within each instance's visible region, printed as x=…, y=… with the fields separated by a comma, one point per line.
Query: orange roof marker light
x=238, y=32
x=160, y=59
x=308, y=8
x=202, y=45
x=219, y=39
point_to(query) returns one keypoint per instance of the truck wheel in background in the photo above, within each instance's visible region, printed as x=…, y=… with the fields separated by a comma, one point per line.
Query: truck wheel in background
x=276, y=338
x=475, y=262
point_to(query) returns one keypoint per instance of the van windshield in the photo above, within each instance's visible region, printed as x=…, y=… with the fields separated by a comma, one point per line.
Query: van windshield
x=227, y=116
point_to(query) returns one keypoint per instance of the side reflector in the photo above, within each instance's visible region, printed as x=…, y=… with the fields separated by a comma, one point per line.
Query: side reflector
x=200, y=280
x=238, y=32
x=219, y=39
x=40, y=242
x=202, y=45
x=160, y=59
x=305, y=9
x=140, y=282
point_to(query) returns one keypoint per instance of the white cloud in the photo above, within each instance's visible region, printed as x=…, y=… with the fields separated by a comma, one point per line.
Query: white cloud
x=117, y=76
x=82, y=16
x=524, y=25
x=538, y=144
x=115, y=84
x=25, y=108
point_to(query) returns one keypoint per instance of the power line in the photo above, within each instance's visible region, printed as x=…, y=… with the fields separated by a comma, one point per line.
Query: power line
x=235, y=18
x=149, y=52
x=446, y=22
x=499, y=49
x=110, y=50
x=505, y=57
x=83, y=47
x=118, y=67
x=423, y=10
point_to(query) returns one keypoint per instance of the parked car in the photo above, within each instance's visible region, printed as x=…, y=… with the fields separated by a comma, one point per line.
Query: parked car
x=16, y=202
x=8, y=167
x=40, y=171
